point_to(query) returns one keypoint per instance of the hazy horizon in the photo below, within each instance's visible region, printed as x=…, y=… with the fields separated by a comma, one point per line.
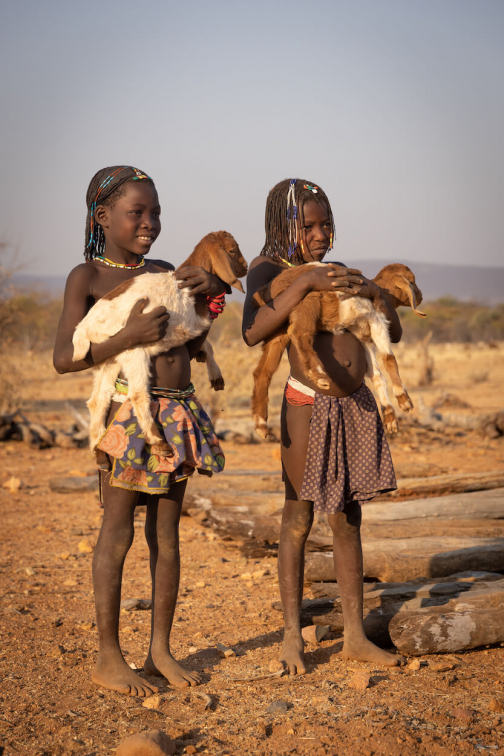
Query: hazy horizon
x=395, y=109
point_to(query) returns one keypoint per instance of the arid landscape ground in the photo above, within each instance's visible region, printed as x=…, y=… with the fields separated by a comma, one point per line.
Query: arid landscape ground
x=451, y=704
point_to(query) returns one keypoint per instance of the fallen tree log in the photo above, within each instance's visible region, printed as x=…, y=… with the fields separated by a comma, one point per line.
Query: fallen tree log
x=419, y=634
x=331, y=590
x=16, y=427
x=382, y=612
x=399, y=560
x=74, y=484
x=438, y=485
x=479, y=505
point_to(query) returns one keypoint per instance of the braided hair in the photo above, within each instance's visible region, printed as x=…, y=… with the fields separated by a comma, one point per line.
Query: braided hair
x=284, y=211
x=105, y=188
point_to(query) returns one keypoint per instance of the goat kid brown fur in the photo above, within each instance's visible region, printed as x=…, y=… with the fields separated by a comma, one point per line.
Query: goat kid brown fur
x=218, y=253
x=334, y=312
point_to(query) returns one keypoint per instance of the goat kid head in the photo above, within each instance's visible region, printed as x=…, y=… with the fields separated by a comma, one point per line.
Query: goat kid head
x=398, y=282
x=219, y=253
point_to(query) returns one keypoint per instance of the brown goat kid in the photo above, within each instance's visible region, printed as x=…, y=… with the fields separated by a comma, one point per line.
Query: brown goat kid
x=332, y=311
x=218, y=253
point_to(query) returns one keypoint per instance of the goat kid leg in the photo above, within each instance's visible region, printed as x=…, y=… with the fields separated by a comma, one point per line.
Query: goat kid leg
x=266, y=368
x=206, y=354
x=302, y=330
x=380, y=337
x=99, y=401
x=373, y=372
x=136, y=368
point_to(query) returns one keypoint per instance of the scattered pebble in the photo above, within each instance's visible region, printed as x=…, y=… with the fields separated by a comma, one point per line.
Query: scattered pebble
x=315, y=633
x=414, y=665
x=200, y=584
x=191, y=749
x=496, y=705
x=152, y=702
x=30, y=571
x=224, y=652
x=86, y=546
x=277, y=707
x=461, y=713
x=131, y=605
x=441, y=666
x=13, y=484
x=276, y=665
x=193, y=649
x=148, y=743
x=359, y=681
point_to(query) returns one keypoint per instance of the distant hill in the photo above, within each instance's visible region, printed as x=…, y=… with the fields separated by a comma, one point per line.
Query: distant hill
x=468, y=283
x=463, y=282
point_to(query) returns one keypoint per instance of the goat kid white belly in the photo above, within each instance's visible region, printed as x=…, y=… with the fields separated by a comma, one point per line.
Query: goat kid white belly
x=106, y=318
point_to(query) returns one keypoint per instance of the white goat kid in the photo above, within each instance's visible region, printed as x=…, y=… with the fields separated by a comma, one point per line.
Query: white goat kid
x=219, y=254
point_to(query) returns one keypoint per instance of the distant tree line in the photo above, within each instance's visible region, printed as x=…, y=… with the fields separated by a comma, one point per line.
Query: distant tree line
x=30, y=320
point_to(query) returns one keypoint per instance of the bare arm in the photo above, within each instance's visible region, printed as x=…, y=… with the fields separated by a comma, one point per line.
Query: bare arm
x=139, y=329
x=261, y=322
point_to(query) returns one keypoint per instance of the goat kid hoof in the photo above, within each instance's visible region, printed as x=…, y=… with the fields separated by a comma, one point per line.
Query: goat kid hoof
x=218, y=384
x=162, y=449
x=405, y=403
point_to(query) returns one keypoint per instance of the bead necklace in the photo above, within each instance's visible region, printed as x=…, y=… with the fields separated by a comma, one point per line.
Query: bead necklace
x=112, y=264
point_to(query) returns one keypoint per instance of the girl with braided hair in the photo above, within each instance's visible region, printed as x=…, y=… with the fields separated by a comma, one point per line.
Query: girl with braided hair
x=334, y=452
x=123, y=221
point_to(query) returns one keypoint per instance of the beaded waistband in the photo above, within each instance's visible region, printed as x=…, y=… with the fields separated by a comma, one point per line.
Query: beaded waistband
x=121, y=387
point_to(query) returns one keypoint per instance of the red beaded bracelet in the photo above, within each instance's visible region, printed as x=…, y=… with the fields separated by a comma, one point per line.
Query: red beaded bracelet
x=216, y=305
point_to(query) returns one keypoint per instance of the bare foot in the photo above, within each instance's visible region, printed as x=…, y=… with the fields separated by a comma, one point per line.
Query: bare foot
x=292, y=654
x=116, y=675
x=364, y=650
x=166, y=666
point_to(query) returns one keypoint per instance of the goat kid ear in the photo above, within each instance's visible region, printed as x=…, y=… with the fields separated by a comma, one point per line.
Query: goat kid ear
x=223, y=269
x=408, y=289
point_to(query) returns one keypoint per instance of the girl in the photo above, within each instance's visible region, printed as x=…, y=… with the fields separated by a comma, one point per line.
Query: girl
x=123, y=222
x=334, y=453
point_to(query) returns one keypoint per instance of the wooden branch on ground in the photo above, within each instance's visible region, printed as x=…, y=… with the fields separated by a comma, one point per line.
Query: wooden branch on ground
x=459, y=630
x=422, y=619
x=402, y=559
x=16, y=427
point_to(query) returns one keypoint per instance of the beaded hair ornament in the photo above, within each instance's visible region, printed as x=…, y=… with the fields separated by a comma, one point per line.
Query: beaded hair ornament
x=292, y=216
x=103, y=190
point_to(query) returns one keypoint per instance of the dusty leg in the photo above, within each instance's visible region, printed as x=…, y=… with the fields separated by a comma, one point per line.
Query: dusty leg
x=348, y=567
x=114, y=541
x=161, y=531
x=297, y=520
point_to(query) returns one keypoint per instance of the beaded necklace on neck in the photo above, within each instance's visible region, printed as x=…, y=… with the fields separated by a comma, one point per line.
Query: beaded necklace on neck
x=113, y=264
x=291, y=265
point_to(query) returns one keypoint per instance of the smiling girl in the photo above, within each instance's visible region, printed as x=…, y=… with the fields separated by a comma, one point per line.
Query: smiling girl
x=123, y=222
x=334, y=452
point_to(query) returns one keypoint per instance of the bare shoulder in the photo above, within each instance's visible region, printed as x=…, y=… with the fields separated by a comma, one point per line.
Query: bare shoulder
x=160, y=265
x=262, y=270
x=80, y=280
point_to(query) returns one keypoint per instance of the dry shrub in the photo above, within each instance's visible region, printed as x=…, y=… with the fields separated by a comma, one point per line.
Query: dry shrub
x=479, y=376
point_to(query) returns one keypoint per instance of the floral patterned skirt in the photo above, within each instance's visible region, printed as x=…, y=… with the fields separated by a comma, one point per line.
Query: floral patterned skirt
x=187, y=429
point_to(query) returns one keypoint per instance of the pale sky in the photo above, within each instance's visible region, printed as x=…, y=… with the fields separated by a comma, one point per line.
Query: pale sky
x=395, y=107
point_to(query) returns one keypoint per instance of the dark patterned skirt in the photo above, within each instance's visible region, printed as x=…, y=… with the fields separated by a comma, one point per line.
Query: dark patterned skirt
x=348, y=457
